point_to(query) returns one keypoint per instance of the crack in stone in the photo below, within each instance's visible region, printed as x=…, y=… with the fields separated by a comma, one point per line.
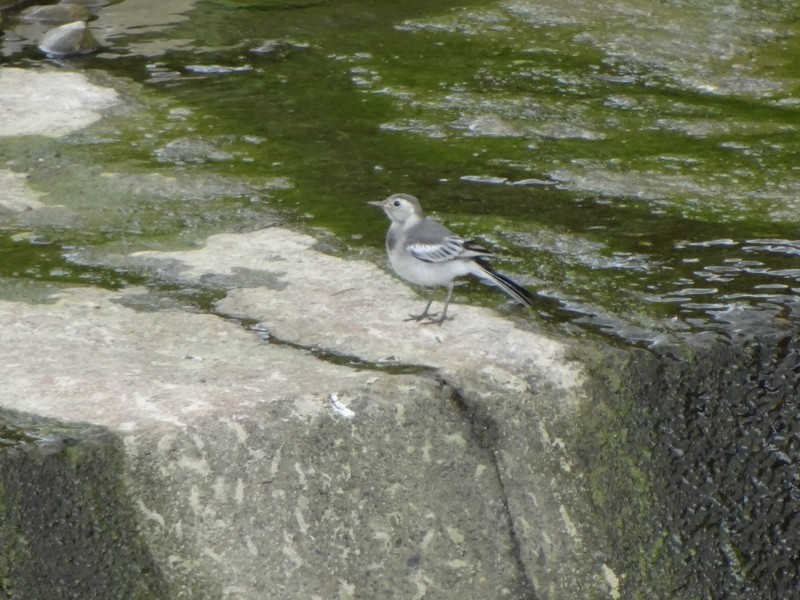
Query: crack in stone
x=484, y=432
x=338, y=358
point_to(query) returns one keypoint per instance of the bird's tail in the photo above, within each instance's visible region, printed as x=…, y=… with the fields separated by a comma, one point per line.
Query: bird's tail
x=491, y=277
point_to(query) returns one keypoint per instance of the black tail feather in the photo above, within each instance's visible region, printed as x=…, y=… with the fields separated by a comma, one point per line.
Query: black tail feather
x=505, y=283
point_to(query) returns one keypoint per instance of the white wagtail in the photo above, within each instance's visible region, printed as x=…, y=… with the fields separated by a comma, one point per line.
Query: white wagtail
x=426, y=253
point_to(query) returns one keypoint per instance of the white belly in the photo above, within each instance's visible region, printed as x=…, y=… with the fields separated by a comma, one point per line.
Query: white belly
x=429, y=274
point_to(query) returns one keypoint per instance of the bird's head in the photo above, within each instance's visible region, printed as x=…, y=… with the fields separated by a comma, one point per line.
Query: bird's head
x=400, y=208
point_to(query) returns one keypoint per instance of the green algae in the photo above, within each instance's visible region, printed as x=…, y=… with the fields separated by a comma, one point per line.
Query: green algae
x=627, y=141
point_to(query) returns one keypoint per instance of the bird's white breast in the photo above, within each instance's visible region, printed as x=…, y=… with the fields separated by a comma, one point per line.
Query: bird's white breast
x=428, y=274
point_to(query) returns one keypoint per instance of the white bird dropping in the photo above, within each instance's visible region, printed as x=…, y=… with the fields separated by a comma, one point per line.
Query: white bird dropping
x=340, y=409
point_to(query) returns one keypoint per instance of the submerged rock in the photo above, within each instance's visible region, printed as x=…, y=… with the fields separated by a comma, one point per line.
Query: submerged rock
x=191, y=150
x=17, y=196
x=217, y=69
x=69, y=39
x=49, y=103
x=87, y=3
x=278, y=46
x=55, y=14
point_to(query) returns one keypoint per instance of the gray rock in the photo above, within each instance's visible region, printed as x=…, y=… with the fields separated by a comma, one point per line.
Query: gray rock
x=278, y=47
x=191, y=150
x=217, y=69
x=69, y=40
x=243, y=476
x=480, y=357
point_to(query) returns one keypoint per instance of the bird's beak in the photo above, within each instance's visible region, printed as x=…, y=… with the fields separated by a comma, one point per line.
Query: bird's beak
x=378, y=203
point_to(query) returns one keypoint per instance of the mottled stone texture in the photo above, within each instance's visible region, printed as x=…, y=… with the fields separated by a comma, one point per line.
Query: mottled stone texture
x=396, y=502
x=453, y=482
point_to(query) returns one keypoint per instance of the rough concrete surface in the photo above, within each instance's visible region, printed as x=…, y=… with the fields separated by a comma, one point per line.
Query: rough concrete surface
x=246, y=478
x=447, y=467
x=518, y=390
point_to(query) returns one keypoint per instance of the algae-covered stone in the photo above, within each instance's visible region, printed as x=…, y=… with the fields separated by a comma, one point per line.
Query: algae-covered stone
x=55, y=14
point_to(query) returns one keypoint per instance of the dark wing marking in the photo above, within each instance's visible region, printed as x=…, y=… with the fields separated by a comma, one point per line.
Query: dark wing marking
x=473, y=249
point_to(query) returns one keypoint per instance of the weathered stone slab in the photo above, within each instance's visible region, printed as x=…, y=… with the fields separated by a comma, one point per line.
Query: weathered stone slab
x=244, y=477
x=518, y=389
x=354, y=308
x=52, y=104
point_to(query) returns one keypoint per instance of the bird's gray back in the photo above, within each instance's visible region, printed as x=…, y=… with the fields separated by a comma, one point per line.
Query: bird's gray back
x=429, y=231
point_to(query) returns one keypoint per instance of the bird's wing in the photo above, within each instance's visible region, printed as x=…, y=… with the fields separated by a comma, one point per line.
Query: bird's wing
x=449, y=248
x=471, y=250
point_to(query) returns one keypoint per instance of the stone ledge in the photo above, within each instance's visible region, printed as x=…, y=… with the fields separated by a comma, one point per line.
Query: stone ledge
x=246, y=479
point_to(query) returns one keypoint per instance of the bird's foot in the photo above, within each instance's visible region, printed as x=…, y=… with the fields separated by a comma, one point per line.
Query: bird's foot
x=420, y=317
x=429, y=318
x=439, y=321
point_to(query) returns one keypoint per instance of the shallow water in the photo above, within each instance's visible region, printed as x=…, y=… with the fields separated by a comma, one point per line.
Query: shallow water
x=634, y=163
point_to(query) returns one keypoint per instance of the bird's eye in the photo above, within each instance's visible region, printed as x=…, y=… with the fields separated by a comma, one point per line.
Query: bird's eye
x=397, y=202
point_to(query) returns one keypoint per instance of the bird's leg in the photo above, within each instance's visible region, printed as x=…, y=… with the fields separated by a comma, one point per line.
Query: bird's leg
x=443, y=318
x=424, y=314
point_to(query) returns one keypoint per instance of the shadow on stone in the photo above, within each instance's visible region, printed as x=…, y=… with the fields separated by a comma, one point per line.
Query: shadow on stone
x=67, y=526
